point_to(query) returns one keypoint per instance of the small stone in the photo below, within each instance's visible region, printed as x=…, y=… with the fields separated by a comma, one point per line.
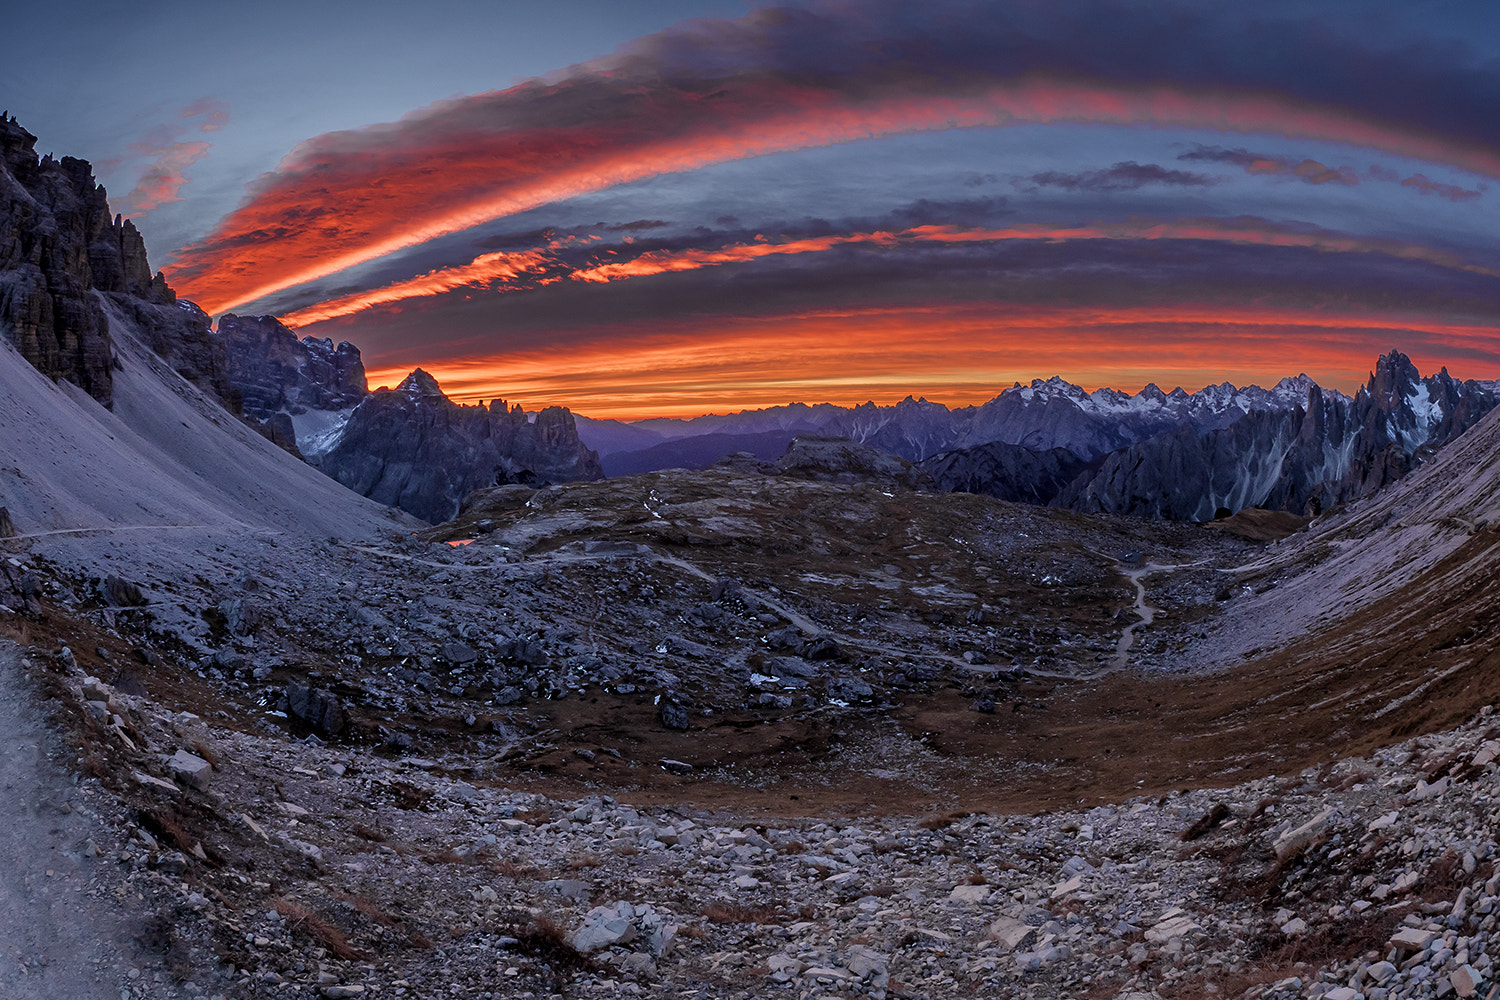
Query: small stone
x=342, y=992
x=1381, y=971
x=458, y=654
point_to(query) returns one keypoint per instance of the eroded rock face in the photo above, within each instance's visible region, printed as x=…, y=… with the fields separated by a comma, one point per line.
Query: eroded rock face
x=1307, y=460
x=64, y=260
x=414, y=448
x=276, y=372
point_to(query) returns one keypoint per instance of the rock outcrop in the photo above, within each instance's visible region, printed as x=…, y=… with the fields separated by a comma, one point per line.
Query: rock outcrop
x=412, y=447
x=276, y=372
x=834, y=459
x=64, y=261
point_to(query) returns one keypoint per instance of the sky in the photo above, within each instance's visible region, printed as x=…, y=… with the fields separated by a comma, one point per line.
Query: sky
x=671, y=208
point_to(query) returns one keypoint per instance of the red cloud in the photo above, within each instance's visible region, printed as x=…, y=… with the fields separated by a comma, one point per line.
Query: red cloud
x=350, y=197
x=494, y=270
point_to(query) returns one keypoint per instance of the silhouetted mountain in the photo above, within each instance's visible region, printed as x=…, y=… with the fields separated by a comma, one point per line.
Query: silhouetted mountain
x=414, y=448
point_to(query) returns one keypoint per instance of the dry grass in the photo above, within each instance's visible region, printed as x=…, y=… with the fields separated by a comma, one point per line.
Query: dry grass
x=736, y=913
x=545, y=939
x=368, y=907
x=1206, y=823
x=515, y=870
x=315, y=927
x=207, y=754
x=369, y=833
x=944, y=821
x=165, y=826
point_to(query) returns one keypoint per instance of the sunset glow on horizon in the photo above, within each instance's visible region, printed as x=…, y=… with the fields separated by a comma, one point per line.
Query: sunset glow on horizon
x=952, y=355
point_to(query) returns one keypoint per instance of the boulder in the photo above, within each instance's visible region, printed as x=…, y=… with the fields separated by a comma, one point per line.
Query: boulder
x=318, y=709
x=605, y=927
x=121, y=593
x=190, y=769
x=673, y=715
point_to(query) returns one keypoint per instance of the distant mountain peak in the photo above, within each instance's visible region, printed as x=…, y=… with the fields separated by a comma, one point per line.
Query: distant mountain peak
x=419, y=383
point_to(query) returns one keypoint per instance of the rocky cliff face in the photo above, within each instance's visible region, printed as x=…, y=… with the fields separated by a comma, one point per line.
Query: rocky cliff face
x=412, y=447
x=64, y=261
x=1326, y=452
x=276, y=372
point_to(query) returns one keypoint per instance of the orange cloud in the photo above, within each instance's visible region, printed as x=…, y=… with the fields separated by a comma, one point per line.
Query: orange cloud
x=350, y=197
x=482, y=272
x=488, y=269
x=957, y=354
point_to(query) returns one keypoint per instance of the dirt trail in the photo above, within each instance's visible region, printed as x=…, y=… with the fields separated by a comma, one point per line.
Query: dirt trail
x=1145, y=614
x=55, y=939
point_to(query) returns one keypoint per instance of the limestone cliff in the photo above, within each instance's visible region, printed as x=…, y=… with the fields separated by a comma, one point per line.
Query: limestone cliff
x=65, y=261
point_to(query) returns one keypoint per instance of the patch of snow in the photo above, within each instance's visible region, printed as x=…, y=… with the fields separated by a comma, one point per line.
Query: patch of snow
x=319, y=431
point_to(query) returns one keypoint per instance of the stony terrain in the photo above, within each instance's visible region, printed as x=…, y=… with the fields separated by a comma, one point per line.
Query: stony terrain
x=272, y=864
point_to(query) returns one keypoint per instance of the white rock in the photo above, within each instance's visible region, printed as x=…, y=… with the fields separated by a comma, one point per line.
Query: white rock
x=969, y=893
x=1012, y=933
x=867, y=963
x=1424, y=791
x=1174, y=923
x=1296, y=925
x=153, y=782
x=605, y=926
x=1292, y=841
x=1412, y=939
x=1062, y=889
x=782, y=962
x=826, y=973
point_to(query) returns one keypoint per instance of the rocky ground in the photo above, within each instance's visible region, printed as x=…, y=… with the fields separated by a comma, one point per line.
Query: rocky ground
x=275, y=867
x=736, y=734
